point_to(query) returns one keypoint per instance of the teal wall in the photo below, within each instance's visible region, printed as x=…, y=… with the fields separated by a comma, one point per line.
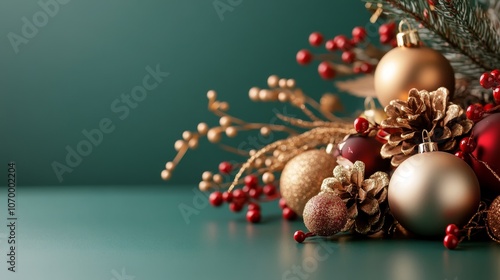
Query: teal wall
x=65, y=78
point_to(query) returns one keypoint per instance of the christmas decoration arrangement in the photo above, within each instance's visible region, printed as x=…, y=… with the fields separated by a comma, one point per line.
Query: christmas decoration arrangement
x=426, y=165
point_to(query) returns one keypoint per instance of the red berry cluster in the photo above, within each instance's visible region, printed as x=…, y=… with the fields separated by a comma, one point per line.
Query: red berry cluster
x=451, y=238
x=288, y=213
x=251, y=194
x=346, y=46
x=467, y=145
x=387, y=33
x=491, y=80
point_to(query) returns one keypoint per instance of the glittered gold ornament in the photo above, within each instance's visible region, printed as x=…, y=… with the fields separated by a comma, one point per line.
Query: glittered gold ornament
x=302, y=176
x=431, y=190
x=493, y=220
x=411, y=65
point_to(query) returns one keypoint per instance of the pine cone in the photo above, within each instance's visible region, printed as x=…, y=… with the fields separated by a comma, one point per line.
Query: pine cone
x=431, y=111
x=366, y=200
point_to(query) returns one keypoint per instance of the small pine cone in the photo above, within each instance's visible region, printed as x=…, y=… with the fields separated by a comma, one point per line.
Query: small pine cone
x=431, y=111
x=366, y=200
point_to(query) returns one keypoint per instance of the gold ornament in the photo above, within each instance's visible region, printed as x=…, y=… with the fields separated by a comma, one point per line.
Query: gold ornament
x=302, y=176
x=365, y=199
x=493, y=220
x=431, y=190
x=411, y=65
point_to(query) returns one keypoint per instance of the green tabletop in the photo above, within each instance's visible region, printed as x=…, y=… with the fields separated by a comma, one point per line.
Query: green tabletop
x=139, y=232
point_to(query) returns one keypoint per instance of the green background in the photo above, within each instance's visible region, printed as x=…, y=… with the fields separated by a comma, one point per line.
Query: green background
x=90, y=52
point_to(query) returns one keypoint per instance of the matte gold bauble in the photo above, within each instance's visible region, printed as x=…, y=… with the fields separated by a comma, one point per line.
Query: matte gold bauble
x=431, y=190
x=411, y=65
x=302, y=177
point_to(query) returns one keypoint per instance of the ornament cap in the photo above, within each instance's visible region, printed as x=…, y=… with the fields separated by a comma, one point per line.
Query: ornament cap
x=407, y=38
x=427, y=146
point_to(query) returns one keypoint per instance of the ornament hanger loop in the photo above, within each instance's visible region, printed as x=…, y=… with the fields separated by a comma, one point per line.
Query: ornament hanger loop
x=406, y=23
x=369, y=103
x=427, y=145
x=407, y=38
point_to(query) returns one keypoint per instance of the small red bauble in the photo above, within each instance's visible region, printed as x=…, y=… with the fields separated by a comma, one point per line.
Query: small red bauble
x=269, y=190
x=348, y=57
x=239, y=196
x=304, y=57
x=289, y=214
x=387, y=29
x=225, y=167
x=474, y=112
x=215, y=198
x=385, y=39
x=467, y=145
x=342, y=42
x=496, y=96
x=486, y=134
x=251, y=181
x=361, y=125
x=496, y=75
x=330, y=45
x=253, y=206
x=326, y=70
x=315, y=39
x=367, y=150
x=452, y=229
x=359, y=33
x=487, y=80
x=235, y=206
x=490, y=106
x=450, y=241
x=299, y=236
x=253, y=216
x=227, y=196
x=282, y=203
x=255, y=192
x=366, y=68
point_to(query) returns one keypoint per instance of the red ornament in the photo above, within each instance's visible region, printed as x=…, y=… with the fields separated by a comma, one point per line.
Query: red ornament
x=496, y=96
x=475, y=112
x=450, y=241
x=361, y=125
x=235, y=206
x=299, y=236
x=282, y=203
x=251, y=181
x=366, y=68
x=253, y=216
x=253, y=206
x=288, y=214
x=255, y=192
x=467, y=145
x=227, y=196
x=367, y=150
x=225, y=167
x=239, y=196
x=387, y=29
x=342, y=42
x=330, y=45
x=359, y=33
x=269, y=190
x=452, y=229
x=304, y=57
x=487, y=80
x=315, y=39
x=486, y=134
x=215, y=198
x=348, y=57
x=326, y=70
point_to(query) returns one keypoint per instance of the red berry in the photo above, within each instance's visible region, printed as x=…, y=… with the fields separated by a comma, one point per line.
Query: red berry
x=474, y=112
x=359, y=33
x=315, y=39
x=496, y=95
x=496, y=75
x=326, y=70
x=356, y=69
x=304, y=57
x=387, y=29
x=235, y=206
x=239, y=196
x=253, y=216
x=215, y=198
x=251, y=181
x=227, y=196
x=460, y=155
x=288, y=214
x=385, y=39
x=489, y=106
x=282, y=203
x=342, y=42
x=330, y=45
x=253, y=206
x=431, y=2
x=366, y=68
x=225, y=167
x=452, y=229
x=255, y=192
x=450, y=241
x=467, y=145
x=299, y=236
x=246, y=189
x=348, y=57
x=361, y=125
x=269, y=190
x=487, y=80
x=394, y=43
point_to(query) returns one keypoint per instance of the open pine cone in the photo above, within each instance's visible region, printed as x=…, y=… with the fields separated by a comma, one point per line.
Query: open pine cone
x=431, y=111
x=366, y=200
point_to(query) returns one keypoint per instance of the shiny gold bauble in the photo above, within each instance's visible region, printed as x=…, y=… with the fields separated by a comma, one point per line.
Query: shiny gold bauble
x=431, y=190
x=302, y=177
x=404, y=68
